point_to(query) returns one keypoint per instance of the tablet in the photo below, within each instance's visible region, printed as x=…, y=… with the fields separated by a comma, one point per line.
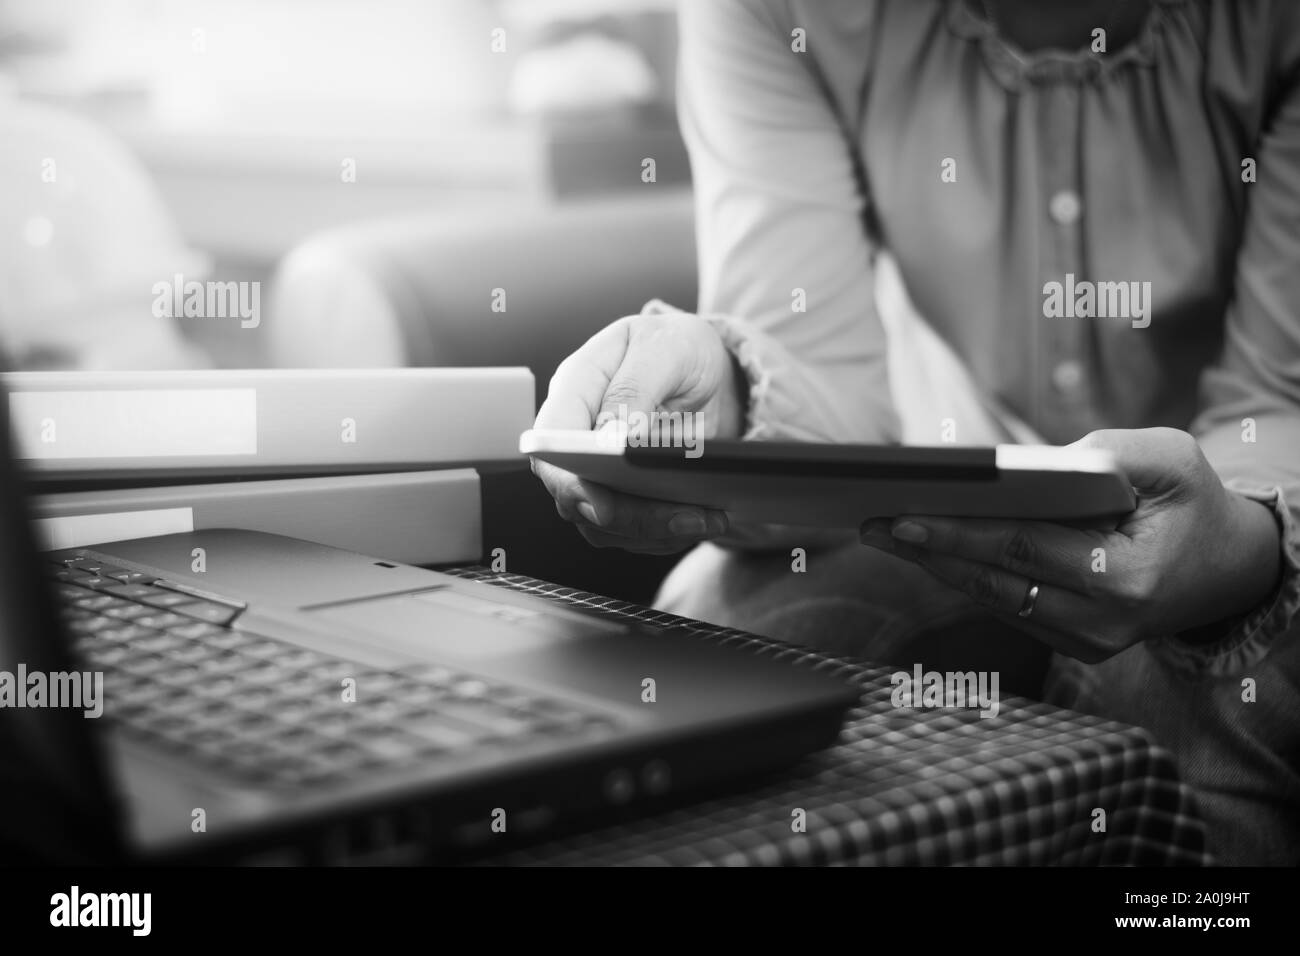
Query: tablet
x=840, y=486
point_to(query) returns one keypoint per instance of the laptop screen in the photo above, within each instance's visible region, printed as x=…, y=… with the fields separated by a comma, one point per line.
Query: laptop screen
x=55, y=801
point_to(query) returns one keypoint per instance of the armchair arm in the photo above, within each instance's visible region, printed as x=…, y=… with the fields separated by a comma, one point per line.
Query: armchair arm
x=420, y=290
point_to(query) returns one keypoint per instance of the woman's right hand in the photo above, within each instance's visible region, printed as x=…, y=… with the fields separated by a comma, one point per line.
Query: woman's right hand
x=674, y=362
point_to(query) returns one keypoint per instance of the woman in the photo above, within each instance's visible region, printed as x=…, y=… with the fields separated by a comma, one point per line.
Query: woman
x=1007, y=154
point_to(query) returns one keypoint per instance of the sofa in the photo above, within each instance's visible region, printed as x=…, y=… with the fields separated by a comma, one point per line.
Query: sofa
x=418, y=291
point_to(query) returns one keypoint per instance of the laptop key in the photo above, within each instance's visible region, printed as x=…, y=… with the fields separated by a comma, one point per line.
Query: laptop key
x=157, y=641
x=196, y=630
x=248, y=730
x=340, y=722
x=220, y=665
x=331, y=671
x=97, y=602
x=295, y=657
x=418, y=696
x=381, y=712
x=256, y=699
x=298, y=736
x=163, y=619
x=126, y=632
x=389, y=749
x=100, y=569
x=376, y=683
x=208, y=611
x=144, y=665
x=83, y=578
x=292, y=712
x=218, y=687
x=80, y=561
x=260, y=647
x=126, y=688
x=338, y=754
x=266, y=673
x=303, y=690
x=185, y=652
x=132, y=591
x=434, y=676
x=179, y=676
x=107, y=654
x=70, y=592
x=128, y=612
x=74, y=572
x=445, y=735
x=177, y=702
x=128, y=577
x=165, y=599
x=470, y=688
x=214, y=713
x=499, y=724
x=220, y=637
x=90, y=625
x=208, y=739
x=94, y=581
x=514, y=703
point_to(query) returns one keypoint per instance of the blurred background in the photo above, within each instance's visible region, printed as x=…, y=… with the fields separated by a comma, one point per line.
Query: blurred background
x=400, y=183
x=142, y=139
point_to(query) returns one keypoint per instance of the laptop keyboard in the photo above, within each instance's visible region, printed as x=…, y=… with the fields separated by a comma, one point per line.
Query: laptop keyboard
x=178, y=675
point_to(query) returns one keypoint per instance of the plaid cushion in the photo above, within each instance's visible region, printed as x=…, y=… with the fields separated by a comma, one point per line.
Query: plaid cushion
x=909, y=786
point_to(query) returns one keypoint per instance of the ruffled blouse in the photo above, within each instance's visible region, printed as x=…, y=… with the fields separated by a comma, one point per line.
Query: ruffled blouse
x=1105, y=239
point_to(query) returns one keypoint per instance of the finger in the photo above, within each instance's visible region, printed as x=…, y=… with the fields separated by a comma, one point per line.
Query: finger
x=575, y=393
x=1155, y=460
x=599, y=538
x=1054, y=619
x=571, y=497
x=643, y=382
x=1039, y=550
x=647, y=519
x=578, y=386
x=628, y=517
x=995, y=588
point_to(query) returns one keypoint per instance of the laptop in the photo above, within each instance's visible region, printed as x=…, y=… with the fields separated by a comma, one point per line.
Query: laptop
x=265, y=699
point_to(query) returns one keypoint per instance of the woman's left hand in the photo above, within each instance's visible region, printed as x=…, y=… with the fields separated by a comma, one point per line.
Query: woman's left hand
x=1191, y=554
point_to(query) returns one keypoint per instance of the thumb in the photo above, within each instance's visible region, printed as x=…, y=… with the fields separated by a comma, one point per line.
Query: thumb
x=1154, y=460
x=640, y=386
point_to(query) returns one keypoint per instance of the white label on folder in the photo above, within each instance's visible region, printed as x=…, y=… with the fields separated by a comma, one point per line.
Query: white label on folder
x=81, y=531
x=135, y=423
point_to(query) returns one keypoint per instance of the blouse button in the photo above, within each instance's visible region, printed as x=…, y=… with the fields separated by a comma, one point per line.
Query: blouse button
x=1068, y=376
x=1065, y=207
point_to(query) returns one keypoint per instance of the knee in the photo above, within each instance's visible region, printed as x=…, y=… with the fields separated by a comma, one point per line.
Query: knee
x=851, y=602
x=712, y=584
x=807, y=600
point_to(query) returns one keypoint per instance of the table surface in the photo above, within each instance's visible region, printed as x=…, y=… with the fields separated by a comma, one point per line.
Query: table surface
x=908, y=786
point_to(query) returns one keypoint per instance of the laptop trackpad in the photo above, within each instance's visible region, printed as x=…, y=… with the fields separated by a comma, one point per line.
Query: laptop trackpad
x=458, y=626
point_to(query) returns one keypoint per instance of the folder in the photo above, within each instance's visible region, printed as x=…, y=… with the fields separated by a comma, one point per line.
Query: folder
x=184, y=424
x=429, y=517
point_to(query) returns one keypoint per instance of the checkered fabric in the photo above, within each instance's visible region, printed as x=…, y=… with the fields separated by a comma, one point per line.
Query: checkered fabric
x=909, y=786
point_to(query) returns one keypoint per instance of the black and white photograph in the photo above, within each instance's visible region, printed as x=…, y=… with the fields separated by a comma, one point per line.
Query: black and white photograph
x=649, y=434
